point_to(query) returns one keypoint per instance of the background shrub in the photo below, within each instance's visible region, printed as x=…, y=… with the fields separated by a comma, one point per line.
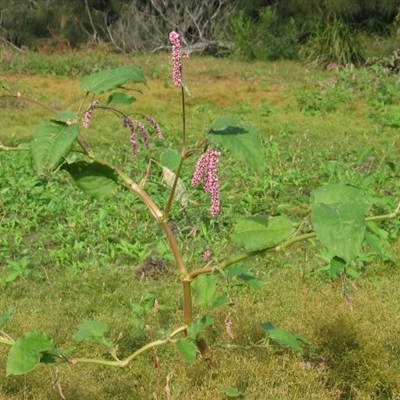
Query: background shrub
x=269, y=38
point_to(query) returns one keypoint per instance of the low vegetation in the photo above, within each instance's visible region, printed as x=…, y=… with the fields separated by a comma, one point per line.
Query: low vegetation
x=66, y=259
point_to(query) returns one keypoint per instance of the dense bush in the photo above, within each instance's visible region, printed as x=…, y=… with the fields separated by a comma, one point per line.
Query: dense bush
x=260, y=29
x=333, y=43
x=268, y=39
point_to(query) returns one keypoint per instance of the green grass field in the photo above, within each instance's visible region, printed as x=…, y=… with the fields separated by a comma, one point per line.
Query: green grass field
x=65, y=258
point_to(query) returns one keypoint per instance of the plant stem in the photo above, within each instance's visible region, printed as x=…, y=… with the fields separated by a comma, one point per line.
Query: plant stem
x=85, y=145
x=7, y=341
x=154, y=210
x=173, y=189
x=126, y=361
x=6, y=148
x=173, y=245
x=19, y=96
x=278, y=248
x=183, y=120
x=383, y=217
x=187, y=302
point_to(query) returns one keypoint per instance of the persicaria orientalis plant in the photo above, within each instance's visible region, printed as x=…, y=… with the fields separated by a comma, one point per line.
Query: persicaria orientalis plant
x=340, y=214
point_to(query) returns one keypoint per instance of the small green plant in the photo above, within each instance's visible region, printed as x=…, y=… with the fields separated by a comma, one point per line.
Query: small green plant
x=341, y=217
x=16, y=269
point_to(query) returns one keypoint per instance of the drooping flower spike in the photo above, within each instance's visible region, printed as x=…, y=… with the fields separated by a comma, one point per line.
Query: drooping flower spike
x=145, y=135
x=136, y=126
x=128, y=123
x=207, y=170
x=155, y=126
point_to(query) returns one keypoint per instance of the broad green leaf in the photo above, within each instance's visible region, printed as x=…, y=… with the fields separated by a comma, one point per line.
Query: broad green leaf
x=242, y=272
x=340, y=228
x=187, y=349
x=50, y=145
x=267, y=326
x=378, y=242
x=93, y=330
x=352, y=273
x=108, y=80
x=379, y=232
x=26, y=353
x=338, y=217
x=95, y=179
x=236, y=270
x=199, y=325
x=67, y=117
x=336, y=265
x=230, y=392
x=241, y=139
x=121, y=98
x=282, y=336
x=50, y=356
x=170, y=159
x=261, y=232
x=4, y=317
x=218, y=302
x=285, y=338
x=251, y=280
x=339, y=193
x=205, y=287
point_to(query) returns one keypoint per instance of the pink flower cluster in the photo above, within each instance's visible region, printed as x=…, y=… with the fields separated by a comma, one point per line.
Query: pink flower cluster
x=156, y=127
x=128, y=123
x=207, y=171
x=135, y=126
x=206, y=255
x=89, y=114
x=229, y=327
x=176, y=58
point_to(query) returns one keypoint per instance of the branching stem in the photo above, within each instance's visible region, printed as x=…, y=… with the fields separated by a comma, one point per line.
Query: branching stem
x=300, y=238
x=126, y=361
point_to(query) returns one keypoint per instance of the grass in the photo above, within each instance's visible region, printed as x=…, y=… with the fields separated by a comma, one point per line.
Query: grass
x=65, y=259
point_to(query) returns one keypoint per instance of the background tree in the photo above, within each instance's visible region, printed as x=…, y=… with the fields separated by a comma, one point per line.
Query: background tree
x=204, y=25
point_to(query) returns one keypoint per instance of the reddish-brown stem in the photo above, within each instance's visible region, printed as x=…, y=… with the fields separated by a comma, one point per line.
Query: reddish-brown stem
x=174, y=248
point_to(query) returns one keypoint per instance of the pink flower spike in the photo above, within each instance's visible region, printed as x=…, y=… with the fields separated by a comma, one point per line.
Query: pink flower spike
x=89, y=114
x=176, y=58
x=156, y=127
x=145, y=135
x=207, y=170
x=127, y=123
x=206, y=255
x=200, y=170
x=229, y=327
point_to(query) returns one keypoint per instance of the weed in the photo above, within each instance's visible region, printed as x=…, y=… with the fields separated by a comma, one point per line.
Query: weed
x=105, y=261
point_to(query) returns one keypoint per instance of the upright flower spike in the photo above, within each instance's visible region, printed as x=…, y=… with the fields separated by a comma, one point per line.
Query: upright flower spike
x=89, y=114
x=200, y=170
x=207, y=170
x=176, y=58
